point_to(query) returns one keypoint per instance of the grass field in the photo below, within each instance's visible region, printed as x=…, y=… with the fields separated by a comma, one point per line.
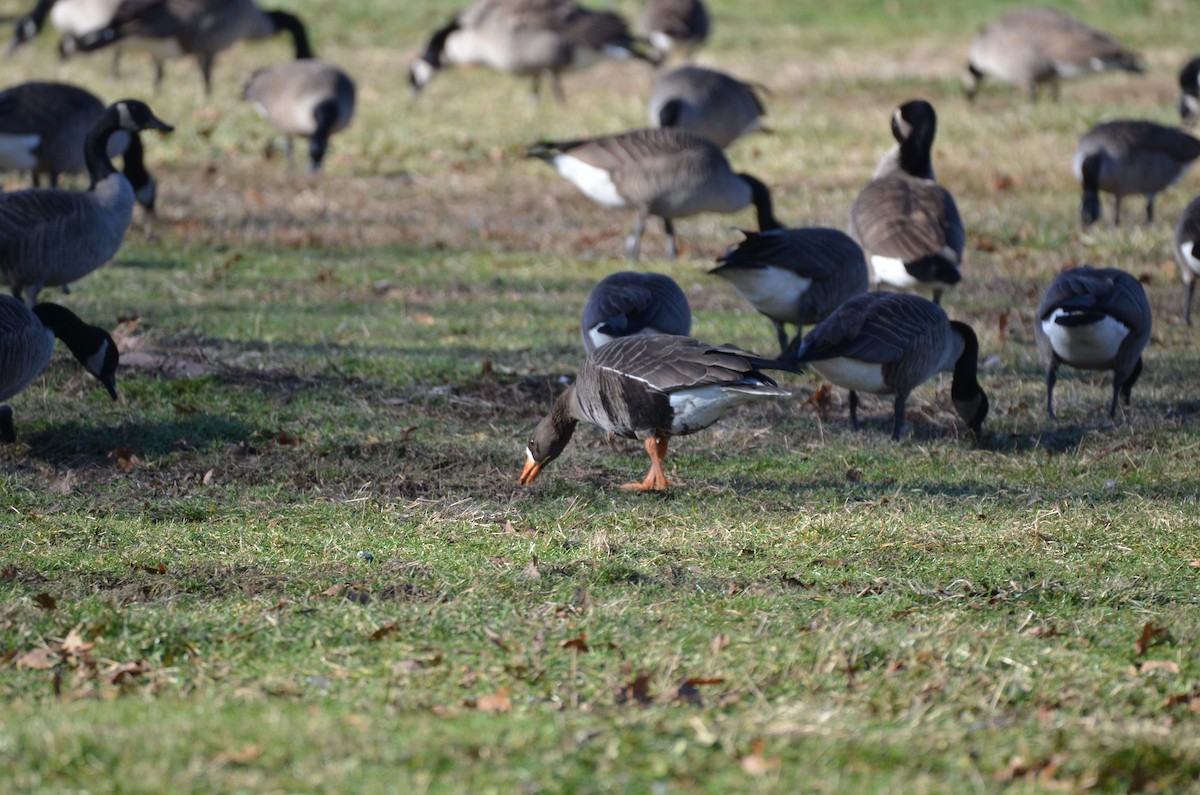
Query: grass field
x=294, y=557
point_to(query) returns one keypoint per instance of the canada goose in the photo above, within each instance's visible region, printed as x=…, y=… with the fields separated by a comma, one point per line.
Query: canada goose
x=303, y=97
x=202, y=28
x=907, y=224
x=667, y=173
x=27, y=339
x=51, y=237
x=1189, y=91
x=1187, y=236
x=650, y=389
x=1094, y=319
x=71, y=17
x=1125, y=158
x=625, y=304
x=531, y=38
x=795, y=276
x=1031, y=46
x=42, y=130
x=709, y=103
x=890, y=343
x=675, y=24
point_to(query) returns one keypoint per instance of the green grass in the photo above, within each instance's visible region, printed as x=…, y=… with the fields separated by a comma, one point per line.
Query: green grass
x=302, y=522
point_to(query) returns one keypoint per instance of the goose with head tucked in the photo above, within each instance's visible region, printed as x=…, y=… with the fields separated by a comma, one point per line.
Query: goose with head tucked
x=652, y=388
x=51, y=237
x=1094, y=319
x=891, y=343
x=675, y=25
x=627, y=303
x=711, y=104
x=1189, y=91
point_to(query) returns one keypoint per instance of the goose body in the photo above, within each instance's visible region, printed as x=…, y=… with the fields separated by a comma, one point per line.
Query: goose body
x=1127, y=158
x=1031, y=47
x=907, y=224
x=626, y=304
x=1187, y=254
x=27, y=340
x=675, y=25
x=709, y=103
x=651, y=388
x=70, y=17
x=1094, y=319
x=51, y=237
x=889, y=344
x=665, y=173
x=795, y=276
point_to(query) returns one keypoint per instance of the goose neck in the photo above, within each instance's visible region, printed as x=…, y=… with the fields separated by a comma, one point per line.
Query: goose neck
x=95, y=147
x=965, y=380
x=760, y=195
x=283, y=21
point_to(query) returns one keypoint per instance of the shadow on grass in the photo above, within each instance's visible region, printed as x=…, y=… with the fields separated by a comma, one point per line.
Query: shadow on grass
x=76, y=444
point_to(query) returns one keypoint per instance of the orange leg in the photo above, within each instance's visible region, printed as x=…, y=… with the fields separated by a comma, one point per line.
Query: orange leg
x=655, y=479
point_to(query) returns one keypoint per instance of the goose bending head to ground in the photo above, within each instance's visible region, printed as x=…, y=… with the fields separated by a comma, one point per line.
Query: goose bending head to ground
x=1187, y=254
x=530, y=38
x=1127, y=158
x=889, y=344
x=650, y=389
x=626, y=304
x=1030, y=47
x=43, y=127
x=1189, y=91
x=675, y=25
x=1094, y=319
x=711, y=104
x=795, y=276
x=666, y=173
x=27, y=340
x=907, y=224
x=51, y=237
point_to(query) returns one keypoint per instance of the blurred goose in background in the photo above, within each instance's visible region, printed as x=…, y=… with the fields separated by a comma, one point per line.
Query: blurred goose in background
x=1127, y=158
x=907, y=224
x=707, y=102
x=72, y=18
x=666, y=173
x=1094, y=319
x=51, y=237
x=675, y=25
x=795, y=276
x=626, y=304
x=1189, y=91
x=27, y=340
x=304, y=97
x=1031, y=46
x=43, y=127
x=891, y=343
x=200, y=28
x=531, y=38
x=651, y=388
x=1187, y=236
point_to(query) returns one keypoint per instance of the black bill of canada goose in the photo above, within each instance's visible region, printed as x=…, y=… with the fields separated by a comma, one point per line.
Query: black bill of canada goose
x=675, y=25
x=530, y=38
x=43, y=127
x=1030, y=47
x=200, y=28
x=51, y=237
x=666, y=173
x=27, y=340
x=1189, y=91
x=1094, y=319
x=907, y=224
x=1128, y=158
x=795, y=276
x=650, y=389
x=1187, y=238
x=707, y=102
x=626, y=304
x=891, y=343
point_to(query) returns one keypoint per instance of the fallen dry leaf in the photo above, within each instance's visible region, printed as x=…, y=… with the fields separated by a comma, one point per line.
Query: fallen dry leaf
x=241, y=756
x=755, y=763
x=531, y=571
x=497, y=702
x=637, y=690
x=154, y=568
x=39, y=659
x=125, y=671
x=1192, y=700
x=578, y=644
x=382, y=632
x=1159, y=665
x=719, y=643
x=126, y=458
x=1152, y=635
x=689, y=690
x=496, y=638
x=45, y=601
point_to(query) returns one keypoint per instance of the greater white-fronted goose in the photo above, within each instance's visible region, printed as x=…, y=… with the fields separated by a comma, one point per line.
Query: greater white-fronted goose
x=907, y=224
x=1032, y=46
x=27, y=340
x=626, y=304
x=1127, y=158
x=1189, y=91
x=711, y=104
x=675, y=25
x=650, y=389
x=1187, y=237
x=795, y=276
x=51, y=237
x=889, y=344
x=43, y=127
x=1094, y=319
x=667, y=173
x=530, y=38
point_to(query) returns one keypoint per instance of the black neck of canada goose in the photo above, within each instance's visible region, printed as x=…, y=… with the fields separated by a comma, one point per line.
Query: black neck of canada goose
x=144, y=188
x=970, y=401
x=761, y=197
x=1089, y=170
x=30, y=25
x=914, y=125
x=91, y=345
x=127, y=114
x=551, y=435
x=437, y=43
x=283, y=21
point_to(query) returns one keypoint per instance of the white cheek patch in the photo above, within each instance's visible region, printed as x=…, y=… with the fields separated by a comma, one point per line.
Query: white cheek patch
x=595, y=183
x=1189, y=257
x=126, y=121
x=95, y=362
x=854, y=374
x=422, y=71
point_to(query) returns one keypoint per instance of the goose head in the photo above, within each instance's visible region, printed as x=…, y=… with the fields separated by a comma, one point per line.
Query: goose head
x=426, y=65
x=914, y=126
x=134, y=115
x=91, y=345
x=969, y=399
x=550, y=437
x=1189, y=85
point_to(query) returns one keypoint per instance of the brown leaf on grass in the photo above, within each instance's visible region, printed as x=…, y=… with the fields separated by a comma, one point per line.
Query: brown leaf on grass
x=821, y=399
x=497, y=702
x=334, y=589
x=45, y=601
x=118, y=674
x=285, y=438
x=74, y=645
x=1166, y=666
x=153, y=568
x=689, y=690
x=578, y=644
x=496, y=637
x=1152, y=635
x=1002, y=325
x=637, y=690
x=1191, y=700
x=755, y=763
x=1195, y=564
x=126, y=458
x=39, y=659
x=531, y=571
x=719, y=643
x=239, y=756
x=382, y=632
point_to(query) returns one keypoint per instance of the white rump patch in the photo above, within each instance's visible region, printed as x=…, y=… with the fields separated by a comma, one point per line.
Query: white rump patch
x=891, y=271
x=16, y=152
x=1192, y=262
x=854, y=374
x=1092, y=346
x=595, y=183
x=775, y=292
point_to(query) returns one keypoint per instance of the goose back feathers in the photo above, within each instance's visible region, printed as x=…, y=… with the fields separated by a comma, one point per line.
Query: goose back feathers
x=711, y=104
x=625, y=304
x=673, y=25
